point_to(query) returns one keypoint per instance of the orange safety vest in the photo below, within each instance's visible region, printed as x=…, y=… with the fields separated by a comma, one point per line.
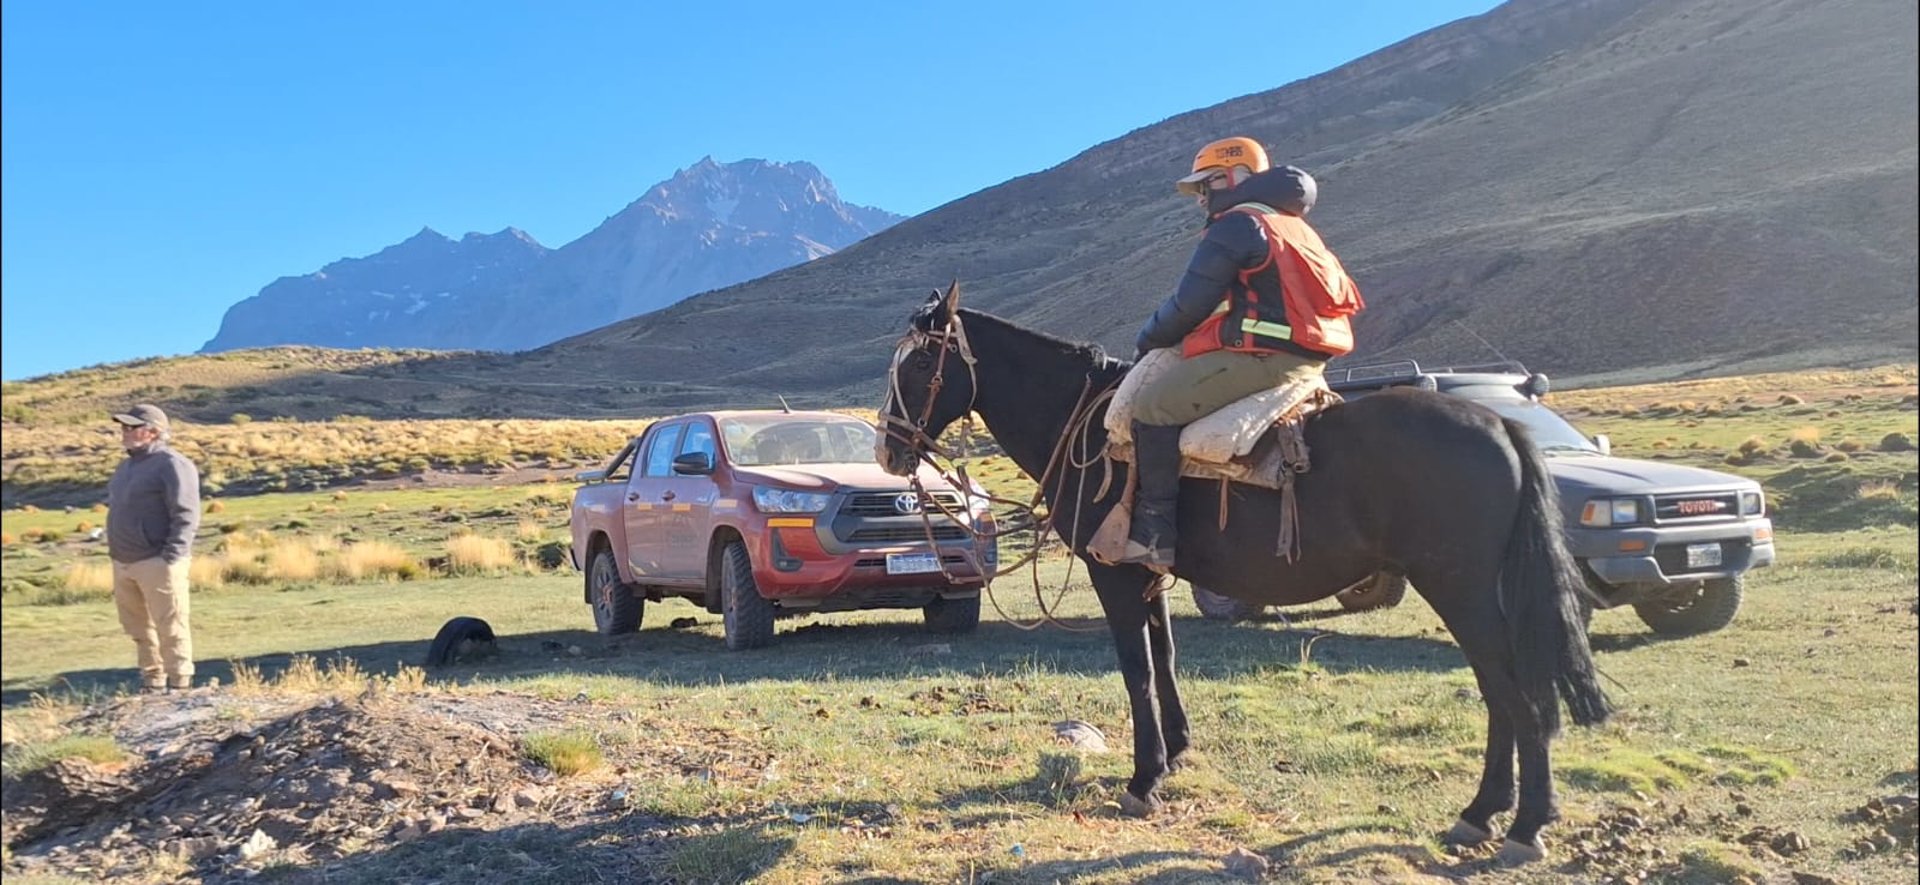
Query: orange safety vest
x=1301, y=295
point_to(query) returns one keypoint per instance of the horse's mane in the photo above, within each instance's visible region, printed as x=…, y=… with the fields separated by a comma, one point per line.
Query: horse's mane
x=1092, y=354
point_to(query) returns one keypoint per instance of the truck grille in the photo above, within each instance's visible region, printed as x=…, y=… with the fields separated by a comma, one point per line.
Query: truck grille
x=883, y=503
x=878, y=535
x=881, y=561
x=1706, y=507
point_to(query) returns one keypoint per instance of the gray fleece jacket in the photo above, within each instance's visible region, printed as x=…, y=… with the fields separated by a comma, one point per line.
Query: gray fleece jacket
x=153, y=506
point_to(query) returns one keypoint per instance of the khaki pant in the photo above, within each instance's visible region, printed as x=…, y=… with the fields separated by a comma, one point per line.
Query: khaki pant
x=1207, y=383
x=152, y=598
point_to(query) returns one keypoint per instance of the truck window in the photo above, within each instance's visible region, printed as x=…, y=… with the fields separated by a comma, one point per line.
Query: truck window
x=661, y=450
x=700, y=439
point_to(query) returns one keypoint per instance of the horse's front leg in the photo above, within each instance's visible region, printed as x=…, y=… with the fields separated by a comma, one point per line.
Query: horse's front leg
x=1173, y=712
x=1121, y=592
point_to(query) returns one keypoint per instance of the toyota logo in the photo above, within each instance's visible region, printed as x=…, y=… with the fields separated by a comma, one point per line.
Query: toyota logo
x=906, y=503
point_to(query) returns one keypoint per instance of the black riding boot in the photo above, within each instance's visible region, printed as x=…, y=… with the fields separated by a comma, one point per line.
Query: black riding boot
x=1156, y=454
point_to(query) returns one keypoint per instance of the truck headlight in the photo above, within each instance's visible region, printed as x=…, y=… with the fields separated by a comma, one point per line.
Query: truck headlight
x=1602, y=513
x=770, y=500
x=1752, y=504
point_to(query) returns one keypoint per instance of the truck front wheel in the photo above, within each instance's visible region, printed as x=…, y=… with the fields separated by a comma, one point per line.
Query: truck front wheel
x=616, y=608
x=1690, y=611
x=952, y=615
x=746, y=616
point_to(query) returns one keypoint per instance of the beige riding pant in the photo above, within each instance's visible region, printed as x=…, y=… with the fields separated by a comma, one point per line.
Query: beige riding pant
x=152, y=598
x=1201, y=385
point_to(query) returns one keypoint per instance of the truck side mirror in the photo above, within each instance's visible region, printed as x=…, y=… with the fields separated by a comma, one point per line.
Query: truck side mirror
x=1604, y=443
x=590, y=476
x=693, y=464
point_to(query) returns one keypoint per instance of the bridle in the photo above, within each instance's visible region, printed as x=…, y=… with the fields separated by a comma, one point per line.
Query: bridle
x=925, y=448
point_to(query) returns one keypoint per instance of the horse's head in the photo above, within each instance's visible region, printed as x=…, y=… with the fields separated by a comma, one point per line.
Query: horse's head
x=929, y=386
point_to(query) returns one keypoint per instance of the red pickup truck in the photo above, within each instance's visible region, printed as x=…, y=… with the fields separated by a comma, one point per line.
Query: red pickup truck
x=758, y=514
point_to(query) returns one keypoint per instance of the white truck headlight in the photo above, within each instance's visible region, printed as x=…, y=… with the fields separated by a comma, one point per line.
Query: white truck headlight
x=771, y=500
x=1752, y=504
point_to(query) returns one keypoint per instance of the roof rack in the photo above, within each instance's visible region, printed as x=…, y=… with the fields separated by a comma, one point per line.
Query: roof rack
x=1404, y=371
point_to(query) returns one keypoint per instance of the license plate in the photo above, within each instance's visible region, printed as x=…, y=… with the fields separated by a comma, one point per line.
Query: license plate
x=1703, y=555
x=912, y=563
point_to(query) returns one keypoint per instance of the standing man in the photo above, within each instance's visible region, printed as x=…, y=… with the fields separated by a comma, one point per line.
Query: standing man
x=153, y=510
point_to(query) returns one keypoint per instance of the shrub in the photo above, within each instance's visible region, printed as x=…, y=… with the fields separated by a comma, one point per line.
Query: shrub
x=528, y=530
x=83, y=526
x=216, y=506
x=207, y=573
x=99, y=507
x=339, y=496
x=1850, y=445
x=7, y=539
x=1788, y=399
x=1896, y=442
x=240, y=418
x=1837, y=457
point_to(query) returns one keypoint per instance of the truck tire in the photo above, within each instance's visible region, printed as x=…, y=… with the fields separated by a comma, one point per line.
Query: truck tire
x=952, y=615
x=616, y=608
x=1384, y=591
x=746, y=616
x=1215, y=607
x=1705, y=609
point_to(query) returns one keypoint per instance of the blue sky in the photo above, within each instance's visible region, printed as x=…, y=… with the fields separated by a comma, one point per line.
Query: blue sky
x=161, y=161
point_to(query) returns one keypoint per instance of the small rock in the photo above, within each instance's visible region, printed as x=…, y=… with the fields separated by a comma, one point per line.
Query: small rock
x=469, y=813
x=683, y=623
x=1791, y=843
x=574, y=651
x=1246, y=864
x=1743, y=810
x=528, y=797
x=1080, y=735
x=1800, y=878
x=257, y=844
x=1742, y=662
x=434, y=822
x=1384, y=808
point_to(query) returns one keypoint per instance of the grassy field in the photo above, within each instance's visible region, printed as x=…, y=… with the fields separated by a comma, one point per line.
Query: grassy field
x=1335, y=746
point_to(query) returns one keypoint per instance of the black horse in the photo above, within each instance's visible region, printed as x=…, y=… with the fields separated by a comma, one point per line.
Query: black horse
x=1434, y=487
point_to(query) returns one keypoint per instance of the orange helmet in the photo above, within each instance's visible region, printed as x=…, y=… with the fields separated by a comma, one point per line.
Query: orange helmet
x=1220, y=155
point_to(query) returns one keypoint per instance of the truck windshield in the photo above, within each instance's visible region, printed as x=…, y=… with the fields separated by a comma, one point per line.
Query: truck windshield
x=786, y=439
x=1550, y=432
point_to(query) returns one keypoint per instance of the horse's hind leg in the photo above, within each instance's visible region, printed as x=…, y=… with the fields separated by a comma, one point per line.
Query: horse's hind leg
x=1173, y=713
x=1496, y=793
x=1513, y=729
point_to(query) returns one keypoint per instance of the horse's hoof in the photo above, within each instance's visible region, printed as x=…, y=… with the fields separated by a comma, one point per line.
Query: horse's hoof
x=1464, y=833
x=1519, y=854
x=1180, y=760
x=1134, y=806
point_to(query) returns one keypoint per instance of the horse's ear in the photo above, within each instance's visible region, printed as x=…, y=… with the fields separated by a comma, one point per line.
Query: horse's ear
x=953, y=297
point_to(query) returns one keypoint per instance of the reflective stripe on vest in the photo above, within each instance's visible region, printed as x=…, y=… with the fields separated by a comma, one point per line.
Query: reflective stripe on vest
x=1281, y=331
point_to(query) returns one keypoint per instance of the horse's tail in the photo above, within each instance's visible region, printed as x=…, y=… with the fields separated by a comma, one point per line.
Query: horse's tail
x=1541, y=589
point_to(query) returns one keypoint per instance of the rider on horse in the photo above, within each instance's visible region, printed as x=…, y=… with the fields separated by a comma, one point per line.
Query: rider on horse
x=1263, y=304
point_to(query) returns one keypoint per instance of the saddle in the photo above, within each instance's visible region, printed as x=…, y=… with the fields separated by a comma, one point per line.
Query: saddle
x=1259, y=440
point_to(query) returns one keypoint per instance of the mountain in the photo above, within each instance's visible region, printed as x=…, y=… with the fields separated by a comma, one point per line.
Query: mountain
x=1591, y=186
x=711, y=225
x=415, y=293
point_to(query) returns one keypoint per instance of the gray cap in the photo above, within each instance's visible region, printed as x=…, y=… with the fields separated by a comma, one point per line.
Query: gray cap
x=143, y=415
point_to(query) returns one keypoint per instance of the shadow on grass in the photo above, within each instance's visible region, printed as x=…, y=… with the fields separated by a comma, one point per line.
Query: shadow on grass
x=822, y=649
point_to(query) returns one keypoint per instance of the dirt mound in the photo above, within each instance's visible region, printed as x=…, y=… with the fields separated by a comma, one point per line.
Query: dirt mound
x=223, y=787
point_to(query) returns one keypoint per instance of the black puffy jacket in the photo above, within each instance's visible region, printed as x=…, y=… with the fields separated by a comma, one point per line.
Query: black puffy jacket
x=1232, y=243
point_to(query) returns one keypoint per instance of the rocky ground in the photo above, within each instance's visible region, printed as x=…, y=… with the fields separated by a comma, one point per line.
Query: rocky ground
x=220, y=786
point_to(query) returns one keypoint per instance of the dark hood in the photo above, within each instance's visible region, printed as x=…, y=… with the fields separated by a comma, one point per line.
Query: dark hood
x=1286, y=188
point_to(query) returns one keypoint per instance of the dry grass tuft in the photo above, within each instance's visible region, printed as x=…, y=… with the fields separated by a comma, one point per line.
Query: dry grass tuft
x=373, y=559
x=471, y=554
x=1882, y=490
x=90, y=578
x=564, y=754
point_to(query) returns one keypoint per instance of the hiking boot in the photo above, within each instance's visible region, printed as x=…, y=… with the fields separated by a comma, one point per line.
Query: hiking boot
x=152, y=688
x=1152, y=538
x=179, y=683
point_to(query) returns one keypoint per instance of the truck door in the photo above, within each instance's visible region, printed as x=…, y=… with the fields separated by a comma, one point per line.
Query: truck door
x=690, y=507
x=647, y=502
